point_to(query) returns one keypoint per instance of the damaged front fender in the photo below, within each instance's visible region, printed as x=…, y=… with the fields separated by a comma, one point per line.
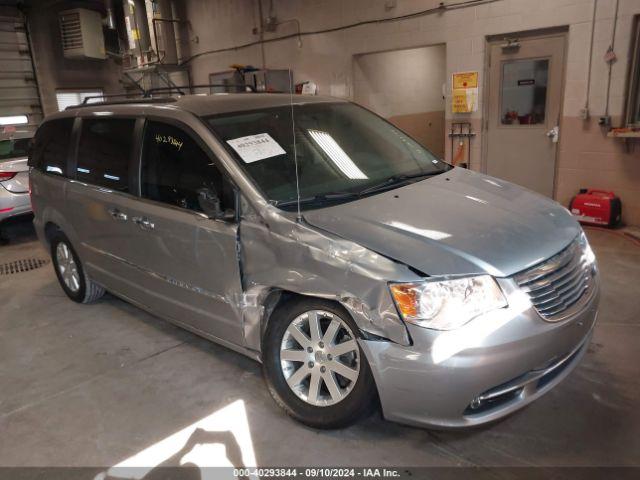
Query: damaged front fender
x=282, y=254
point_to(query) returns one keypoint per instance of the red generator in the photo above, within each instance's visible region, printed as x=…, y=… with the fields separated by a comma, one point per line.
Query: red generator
x=596, y=207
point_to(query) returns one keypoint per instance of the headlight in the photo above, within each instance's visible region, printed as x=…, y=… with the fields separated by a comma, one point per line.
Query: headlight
x=447, y=304
x=588, y=254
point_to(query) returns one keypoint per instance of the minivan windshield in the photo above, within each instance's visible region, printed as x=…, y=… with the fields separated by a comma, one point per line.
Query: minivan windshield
x=343, y=152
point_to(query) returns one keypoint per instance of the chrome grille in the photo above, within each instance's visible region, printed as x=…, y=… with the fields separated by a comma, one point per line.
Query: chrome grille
x=557, y=286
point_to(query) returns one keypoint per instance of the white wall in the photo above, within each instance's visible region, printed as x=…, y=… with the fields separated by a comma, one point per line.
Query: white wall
x=405, y=86
x=401, y=82
x=327, y=58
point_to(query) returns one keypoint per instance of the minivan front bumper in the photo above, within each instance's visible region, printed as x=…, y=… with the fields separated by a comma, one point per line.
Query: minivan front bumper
x=489, y=368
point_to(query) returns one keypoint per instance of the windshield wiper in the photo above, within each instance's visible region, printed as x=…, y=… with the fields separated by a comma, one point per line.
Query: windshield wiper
x=318, y=199
x=337, y=196
x=395, y=180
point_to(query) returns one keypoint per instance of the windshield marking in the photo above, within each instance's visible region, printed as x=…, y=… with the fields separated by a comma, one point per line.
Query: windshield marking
x=256, y=147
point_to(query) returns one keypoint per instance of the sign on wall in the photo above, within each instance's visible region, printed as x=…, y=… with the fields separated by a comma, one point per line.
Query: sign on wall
x=464, y=98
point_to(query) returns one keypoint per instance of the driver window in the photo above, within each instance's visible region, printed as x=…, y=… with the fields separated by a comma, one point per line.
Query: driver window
x=175, y=169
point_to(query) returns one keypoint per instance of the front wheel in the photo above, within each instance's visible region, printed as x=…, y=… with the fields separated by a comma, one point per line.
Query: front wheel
x=314, y=365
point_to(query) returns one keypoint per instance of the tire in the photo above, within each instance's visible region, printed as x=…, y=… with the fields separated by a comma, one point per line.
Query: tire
x=348, y=400
x=80, y=288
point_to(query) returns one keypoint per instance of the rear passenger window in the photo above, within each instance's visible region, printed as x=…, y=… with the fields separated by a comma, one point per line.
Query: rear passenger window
x=51, y=146
x=104, y=152
x=175, y=169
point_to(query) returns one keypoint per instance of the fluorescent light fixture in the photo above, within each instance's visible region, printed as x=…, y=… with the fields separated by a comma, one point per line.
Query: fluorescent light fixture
x=54, y=169
x=14, y=120
x=337, y=155
x=84, y=170
x=111, y=177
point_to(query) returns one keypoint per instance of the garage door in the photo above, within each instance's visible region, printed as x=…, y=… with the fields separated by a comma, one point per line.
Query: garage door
x=18, y=87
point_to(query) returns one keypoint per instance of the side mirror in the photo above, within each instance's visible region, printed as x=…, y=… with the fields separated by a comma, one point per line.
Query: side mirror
x=210, y=204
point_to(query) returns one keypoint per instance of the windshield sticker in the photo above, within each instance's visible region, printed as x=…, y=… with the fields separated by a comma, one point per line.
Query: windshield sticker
x=256, y=147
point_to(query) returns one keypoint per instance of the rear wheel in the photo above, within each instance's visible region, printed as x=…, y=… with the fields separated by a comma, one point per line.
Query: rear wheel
x=73, y=279
x=314, y=365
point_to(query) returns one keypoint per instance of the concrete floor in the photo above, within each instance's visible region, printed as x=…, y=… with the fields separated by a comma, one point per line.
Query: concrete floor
x=95, y=385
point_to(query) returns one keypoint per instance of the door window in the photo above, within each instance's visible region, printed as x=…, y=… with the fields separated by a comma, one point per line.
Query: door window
x=524, y=92
x=51, y=146
x=104, y=152
x=175, y=169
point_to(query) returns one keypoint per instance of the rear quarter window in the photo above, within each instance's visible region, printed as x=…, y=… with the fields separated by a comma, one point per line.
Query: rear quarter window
x=51, y=147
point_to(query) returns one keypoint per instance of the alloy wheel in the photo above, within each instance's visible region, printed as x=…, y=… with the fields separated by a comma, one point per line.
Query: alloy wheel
x=320, y=358
x=67, y=267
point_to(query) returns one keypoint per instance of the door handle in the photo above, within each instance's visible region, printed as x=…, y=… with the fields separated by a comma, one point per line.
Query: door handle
x=143, y=222
x=117, y=214
x=554, y=133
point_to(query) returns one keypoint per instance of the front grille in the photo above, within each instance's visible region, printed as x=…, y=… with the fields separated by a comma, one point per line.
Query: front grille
x=561, y=282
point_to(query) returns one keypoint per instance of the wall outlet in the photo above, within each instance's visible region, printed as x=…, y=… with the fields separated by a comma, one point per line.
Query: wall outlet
x=271, y=24
x=604, y=121
x=390, y=4
x=584, y=113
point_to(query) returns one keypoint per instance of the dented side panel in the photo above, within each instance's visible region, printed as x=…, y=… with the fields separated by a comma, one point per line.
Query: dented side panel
x=280, y=253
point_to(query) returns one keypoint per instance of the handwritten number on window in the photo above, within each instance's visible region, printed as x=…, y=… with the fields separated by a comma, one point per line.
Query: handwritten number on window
x=174, y=142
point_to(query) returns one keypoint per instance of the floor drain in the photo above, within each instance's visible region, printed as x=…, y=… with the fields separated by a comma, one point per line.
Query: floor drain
x=22, y=265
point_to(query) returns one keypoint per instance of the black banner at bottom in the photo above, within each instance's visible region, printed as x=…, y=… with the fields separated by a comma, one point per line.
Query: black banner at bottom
x=323, y=473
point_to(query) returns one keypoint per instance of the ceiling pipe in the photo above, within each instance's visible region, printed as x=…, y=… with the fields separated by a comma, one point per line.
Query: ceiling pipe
x=142, y=25
x=166, y=33
x=111, y=16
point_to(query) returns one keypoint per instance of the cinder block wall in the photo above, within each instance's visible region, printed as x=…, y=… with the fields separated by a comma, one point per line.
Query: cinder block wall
x=586, y=158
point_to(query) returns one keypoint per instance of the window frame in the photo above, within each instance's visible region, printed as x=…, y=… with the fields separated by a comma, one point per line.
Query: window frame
x=207, y=150
x=540, y=125
x=633, y=92
x=72, y=164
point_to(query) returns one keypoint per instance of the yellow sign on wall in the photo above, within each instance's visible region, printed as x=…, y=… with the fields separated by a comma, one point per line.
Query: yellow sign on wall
x=464, y=98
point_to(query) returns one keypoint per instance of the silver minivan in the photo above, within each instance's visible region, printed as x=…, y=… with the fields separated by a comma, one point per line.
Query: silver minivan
x=313, y=236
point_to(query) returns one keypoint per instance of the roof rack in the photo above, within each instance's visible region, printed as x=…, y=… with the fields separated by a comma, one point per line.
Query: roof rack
x=124, y=99
x=146, y=96
x=181, y=88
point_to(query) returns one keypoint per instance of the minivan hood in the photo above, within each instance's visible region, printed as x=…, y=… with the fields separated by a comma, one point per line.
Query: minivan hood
x=459, y=222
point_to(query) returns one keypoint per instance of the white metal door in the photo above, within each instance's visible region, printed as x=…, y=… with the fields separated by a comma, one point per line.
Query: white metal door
x=525, y=93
